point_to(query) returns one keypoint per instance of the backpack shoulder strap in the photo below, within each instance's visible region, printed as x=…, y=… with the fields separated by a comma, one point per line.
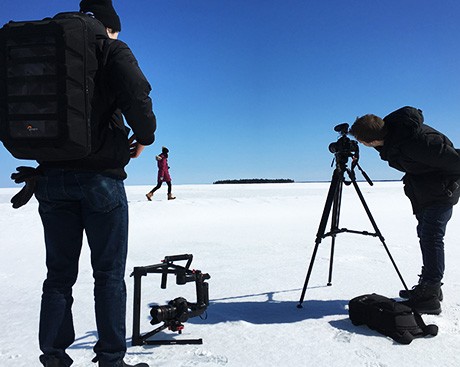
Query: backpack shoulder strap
x=430, y=329
x=106, y=48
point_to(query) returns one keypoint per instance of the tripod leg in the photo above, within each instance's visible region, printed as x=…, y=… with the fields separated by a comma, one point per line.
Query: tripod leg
x=307, y=279
x=331, y=195
x=377, y=231
x=335, y=226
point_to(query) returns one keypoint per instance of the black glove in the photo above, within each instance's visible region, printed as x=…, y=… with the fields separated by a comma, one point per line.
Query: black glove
x=28, y=175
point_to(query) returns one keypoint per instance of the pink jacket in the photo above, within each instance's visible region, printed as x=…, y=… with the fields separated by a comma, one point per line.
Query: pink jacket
x=163, y=169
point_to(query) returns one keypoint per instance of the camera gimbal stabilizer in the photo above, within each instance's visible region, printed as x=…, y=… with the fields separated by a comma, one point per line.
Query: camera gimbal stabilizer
x=178, y=310
x=343, y=149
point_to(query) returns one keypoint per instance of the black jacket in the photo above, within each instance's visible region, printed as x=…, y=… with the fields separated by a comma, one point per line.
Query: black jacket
x=120, y=89
x=427, y=157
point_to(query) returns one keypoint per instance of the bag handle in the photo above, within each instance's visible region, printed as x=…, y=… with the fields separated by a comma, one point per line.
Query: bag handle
x=430, y=329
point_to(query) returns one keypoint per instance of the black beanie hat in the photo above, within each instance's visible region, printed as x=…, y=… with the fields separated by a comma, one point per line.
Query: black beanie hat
x=165, y=150
x=104, y=11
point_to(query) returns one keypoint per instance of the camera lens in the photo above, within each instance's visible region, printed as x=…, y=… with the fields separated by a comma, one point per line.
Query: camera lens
x=162, y=313
x=333, y=147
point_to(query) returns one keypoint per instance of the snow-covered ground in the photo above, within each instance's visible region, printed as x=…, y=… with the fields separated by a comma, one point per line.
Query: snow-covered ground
x=256, y=242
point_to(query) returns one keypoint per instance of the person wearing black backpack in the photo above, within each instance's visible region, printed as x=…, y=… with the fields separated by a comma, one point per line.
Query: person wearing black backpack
x=432, y=183
x=88, y=195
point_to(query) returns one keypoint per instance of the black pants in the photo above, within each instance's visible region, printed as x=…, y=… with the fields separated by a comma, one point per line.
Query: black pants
x=159, y=185
x=431, y=228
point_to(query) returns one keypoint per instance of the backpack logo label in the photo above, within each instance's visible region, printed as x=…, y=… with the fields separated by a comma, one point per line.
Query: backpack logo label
x=31, y=129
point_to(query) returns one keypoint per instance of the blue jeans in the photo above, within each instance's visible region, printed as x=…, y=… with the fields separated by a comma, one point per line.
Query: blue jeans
x=70, y=203
x=431, y=228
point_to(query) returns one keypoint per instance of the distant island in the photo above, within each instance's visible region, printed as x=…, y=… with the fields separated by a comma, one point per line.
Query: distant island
x=255, y=180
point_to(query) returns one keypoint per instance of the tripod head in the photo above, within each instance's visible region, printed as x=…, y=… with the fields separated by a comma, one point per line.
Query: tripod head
x=345, y=148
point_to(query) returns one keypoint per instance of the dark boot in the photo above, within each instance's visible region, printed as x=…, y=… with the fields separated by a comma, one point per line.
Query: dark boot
x=121, y=364
x=403, y=293
x=406, y=293
x=424, y=298
x=51, y=361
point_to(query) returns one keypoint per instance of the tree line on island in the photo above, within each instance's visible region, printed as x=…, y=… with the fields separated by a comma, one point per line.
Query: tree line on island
x=255, y=180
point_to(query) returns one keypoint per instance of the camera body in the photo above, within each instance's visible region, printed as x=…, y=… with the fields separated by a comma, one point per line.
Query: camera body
x=344, y=147
x=179, y=310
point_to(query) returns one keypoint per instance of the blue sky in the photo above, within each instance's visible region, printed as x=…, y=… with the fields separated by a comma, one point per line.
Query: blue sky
x=254, y=88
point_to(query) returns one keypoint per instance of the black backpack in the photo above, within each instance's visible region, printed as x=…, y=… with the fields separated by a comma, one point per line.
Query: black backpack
x=47, y=75
x=389, y=318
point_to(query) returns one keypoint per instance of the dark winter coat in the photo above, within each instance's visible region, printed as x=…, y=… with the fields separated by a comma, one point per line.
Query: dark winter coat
x=121, y=88
x=163, y=168
x=427, y=157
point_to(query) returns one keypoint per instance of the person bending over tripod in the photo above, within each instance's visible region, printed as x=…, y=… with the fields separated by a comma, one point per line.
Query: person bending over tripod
x=432, y=179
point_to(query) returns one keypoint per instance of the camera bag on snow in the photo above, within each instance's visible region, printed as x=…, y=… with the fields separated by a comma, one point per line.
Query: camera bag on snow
x=47, y=73
x=389, y=318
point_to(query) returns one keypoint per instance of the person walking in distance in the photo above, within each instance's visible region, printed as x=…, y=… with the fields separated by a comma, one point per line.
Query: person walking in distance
x=163, y=175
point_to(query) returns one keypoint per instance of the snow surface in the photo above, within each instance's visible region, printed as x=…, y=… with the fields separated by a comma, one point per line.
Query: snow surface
x=256, y=242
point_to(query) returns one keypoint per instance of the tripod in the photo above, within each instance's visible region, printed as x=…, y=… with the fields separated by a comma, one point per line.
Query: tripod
x=333, y=201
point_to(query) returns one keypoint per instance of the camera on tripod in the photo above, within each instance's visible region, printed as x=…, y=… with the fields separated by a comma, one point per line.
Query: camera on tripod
x=342, y=149
x=344, y=146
